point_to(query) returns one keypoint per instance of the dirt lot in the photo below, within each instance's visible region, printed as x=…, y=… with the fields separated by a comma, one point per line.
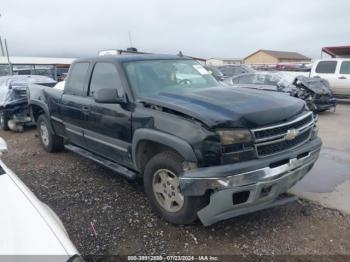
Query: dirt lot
x=82, y=192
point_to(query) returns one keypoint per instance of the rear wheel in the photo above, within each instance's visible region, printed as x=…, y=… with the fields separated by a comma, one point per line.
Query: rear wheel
x=4, y=121
x=50, y=141
x=161, y=182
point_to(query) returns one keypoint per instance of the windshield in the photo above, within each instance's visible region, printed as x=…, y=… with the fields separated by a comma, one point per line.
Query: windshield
x=150, y=78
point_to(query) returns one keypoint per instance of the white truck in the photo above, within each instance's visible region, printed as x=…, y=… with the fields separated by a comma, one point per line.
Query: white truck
x=337, y=72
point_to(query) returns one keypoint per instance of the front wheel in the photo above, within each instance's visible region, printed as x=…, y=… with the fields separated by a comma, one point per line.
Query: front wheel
x=161, y=182
x=4, y=121
x=50, y=141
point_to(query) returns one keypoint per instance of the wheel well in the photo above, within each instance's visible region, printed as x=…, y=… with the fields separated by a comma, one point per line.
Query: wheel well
x=37, y=111
x=146, y=150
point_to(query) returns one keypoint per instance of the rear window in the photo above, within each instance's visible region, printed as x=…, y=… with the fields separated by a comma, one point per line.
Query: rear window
x=75, y=85
x=345, y=67
x=326, y=67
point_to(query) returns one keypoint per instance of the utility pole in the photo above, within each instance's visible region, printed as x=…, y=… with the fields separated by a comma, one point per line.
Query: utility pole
x=8, y=58
x=2, y=47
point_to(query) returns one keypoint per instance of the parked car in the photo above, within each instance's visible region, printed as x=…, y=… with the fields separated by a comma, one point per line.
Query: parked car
x=14, y=111
x=295, y=67
x=203, y=150
x=28, y=226
x=337, y=72
x=216, y=73
x=233, y=70
x=314, y=91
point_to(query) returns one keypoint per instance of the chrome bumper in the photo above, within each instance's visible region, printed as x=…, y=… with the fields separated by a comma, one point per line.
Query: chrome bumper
x=261, y=186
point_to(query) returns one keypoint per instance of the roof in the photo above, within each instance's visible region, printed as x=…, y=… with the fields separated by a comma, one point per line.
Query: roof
x=130, y=58
x=36, y=60
x=337, y=51
x=282, y=54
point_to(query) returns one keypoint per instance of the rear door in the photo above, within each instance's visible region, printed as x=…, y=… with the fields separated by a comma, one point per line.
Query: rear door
x=343, y=78
x=109, y=125
x=75, y=103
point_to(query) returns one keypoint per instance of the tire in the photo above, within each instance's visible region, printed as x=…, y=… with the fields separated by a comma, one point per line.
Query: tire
x=49, y=141
x=178, y=213
x=4, y=121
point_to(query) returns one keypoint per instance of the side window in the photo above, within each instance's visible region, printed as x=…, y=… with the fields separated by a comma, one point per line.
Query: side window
x=345, y=67
x=75, y=84
x=235, y=80
x=259, y=79
x=271, y=80
x=246, y=79
x=105, y=75
x=326, y=67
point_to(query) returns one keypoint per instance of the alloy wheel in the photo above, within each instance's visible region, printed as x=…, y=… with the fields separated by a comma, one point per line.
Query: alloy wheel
x=166, y=188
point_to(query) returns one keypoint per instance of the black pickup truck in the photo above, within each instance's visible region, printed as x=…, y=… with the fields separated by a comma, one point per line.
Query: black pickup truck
x=203, y=150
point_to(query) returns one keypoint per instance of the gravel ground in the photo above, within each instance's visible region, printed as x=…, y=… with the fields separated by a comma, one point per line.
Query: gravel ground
x=83, y=193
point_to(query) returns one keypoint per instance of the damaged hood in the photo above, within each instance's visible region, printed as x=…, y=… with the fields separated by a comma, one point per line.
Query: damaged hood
x=228, y=107
x=318, y=86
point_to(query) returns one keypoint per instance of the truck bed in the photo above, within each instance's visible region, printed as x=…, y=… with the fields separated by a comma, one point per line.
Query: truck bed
x=42, y=93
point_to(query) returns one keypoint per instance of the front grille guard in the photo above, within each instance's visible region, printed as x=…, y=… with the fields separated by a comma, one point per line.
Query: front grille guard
x=269, y=140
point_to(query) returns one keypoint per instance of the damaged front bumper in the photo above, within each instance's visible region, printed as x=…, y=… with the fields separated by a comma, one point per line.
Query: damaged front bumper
x=322, y=105
x=248, y=186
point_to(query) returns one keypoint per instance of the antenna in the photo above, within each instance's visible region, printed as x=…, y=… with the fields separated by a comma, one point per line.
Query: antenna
x=130, y=39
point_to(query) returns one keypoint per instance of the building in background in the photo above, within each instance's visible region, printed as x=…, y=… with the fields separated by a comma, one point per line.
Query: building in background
x=53, y=67
x=223, y=61
x=274, y=57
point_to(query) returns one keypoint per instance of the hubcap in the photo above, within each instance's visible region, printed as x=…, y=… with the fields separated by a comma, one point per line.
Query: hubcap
x=166, y=188
x=44, y=133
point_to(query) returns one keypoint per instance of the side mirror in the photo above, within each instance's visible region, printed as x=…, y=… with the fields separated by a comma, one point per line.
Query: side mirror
x=3, y=146
x=108, y=96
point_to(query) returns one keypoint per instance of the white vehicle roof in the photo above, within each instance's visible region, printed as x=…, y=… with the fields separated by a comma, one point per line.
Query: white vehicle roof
x=29, y=227
x=335, y=59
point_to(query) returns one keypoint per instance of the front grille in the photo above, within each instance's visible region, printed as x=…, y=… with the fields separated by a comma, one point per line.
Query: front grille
x=283, y=145
x=259, y=134
x=273, y=139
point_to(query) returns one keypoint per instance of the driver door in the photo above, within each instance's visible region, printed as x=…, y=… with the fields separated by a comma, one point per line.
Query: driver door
x=109, y=125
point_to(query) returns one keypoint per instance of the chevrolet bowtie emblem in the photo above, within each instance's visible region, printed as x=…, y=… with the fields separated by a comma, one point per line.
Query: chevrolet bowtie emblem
x=291, y=134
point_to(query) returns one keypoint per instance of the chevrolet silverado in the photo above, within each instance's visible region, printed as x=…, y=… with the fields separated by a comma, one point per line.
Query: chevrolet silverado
x=203, y=150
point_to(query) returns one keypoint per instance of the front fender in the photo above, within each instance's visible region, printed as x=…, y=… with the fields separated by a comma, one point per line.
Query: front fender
x=176, y=143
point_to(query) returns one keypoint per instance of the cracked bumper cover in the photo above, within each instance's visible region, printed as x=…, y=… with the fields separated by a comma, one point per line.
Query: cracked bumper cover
x=265, y=179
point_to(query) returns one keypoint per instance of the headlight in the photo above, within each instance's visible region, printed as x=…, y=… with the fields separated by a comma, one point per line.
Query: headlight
x=229, y=137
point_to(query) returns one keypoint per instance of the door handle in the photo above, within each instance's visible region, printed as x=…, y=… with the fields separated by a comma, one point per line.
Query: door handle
x=86, y=108
x=342, y=77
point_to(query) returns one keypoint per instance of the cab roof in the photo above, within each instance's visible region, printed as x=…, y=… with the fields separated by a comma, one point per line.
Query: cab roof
x=131, y=58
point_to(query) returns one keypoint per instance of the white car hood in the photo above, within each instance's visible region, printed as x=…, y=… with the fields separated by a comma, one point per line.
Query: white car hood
x=27, y=226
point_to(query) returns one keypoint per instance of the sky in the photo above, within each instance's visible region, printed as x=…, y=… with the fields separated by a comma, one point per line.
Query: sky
x=220, y=28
